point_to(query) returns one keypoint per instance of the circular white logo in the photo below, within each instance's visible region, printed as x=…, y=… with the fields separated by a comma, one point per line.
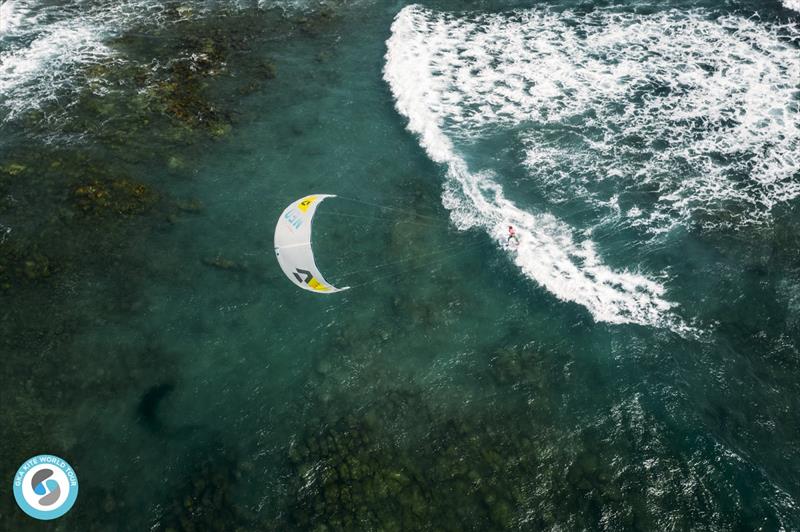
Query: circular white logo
x=45, y=487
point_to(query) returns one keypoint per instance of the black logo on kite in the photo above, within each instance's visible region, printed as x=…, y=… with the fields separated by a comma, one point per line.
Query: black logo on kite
x=299, y=272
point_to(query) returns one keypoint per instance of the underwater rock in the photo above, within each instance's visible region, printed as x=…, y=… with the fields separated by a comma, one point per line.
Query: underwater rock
x=460, y=475
x=324, y=56
x=591, y=491
x=37, y=267
x=180, y=90
x=19, y=265
x=120, y=196
x=249, y=89
x=506, y=366
x=13, y=169
x=315, y=23
x=267, y=69
x=221, y=263
x=206, y=501
x=193, y=206
x=175, y=163
x=184, y=10
x=219, y=129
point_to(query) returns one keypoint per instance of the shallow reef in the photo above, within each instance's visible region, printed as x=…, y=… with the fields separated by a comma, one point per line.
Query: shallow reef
x=82, y=189
x=19, y=265
x=503, y=459
x=366, y=472
x=120, y=196
x=207, y=499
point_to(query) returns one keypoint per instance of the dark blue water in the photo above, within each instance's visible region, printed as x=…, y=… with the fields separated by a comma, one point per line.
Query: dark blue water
x=631, y=364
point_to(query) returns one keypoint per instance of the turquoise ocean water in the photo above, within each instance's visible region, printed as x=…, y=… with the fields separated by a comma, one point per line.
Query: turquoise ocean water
x=632, y=364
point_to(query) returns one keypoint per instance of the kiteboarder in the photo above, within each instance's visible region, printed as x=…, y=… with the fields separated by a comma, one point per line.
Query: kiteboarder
x=512, y=235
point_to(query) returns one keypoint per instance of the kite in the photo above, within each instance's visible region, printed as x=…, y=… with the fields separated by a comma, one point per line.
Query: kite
x=293, y=245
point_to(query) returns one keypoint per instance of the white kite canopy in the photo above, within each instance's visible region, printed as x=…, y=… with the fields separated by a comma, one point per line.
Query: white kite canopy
x=293, y=245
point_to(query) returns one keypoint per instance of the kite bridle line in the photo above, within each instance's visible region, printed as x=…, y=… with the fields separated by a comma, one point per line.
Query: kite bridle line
x=424, y=255
x=281, y=201
x=439, y=223
x=391, y=220
x=377, y=206
x=418, y=266
x=463, y=249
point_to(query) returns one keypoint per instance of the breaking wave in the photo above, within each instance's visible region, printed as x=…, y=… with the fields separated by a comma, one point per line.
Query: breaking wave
x=655, y=120
x=44, y=44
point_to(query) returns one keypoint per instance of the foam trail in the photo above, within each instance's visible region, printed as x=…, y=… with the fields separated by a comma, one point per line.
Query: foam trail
x=792, y=4
x=548, y=251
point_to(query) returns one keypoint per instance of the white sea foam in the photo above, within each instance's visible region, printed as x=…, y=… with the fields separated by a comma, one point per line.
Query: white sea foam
x=9, y=17
x=792, y=4
x=35, y=75
x=51, y=42
x=446, y=83
x=641, y=94
x=699, y=115
x=18, y=17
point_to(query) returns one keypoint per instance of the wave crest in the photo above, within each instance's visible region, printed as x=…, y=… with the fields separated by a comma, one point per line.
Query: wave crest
x=449, y=83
